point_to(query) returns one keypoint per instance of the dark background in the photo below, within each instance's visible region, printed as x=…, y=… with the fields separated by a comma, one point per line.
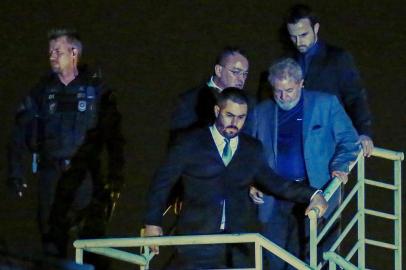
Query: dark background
x=150, y=51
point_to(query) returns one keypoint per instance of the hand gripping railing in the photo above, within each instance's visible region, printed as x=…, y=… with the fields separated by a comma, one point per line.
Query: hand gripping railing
x=359, y=218
x=108, y=247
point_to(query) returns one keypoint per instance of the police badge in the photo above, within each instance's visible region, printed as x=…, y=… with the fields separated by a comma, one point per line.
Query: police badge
x=82, y=105
x=52, y=107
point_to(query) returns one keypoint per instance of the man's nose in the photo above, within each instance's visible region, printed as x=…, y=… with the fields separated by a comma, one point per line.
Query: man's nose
x=234, y=121
x=241, y=79
x=298, y=41
x=282, y=96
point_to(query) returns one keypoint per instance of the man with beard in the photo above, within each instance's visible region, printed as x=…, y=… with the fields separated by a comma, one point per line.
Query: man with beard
x=66, y=122
x=330, y=69
x=308, y=138
x=216, y=165
x=194, y=108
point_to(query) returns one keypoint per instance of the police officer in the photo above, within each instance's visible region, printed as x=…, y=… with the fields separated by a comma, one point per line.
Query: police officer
x=66, y=122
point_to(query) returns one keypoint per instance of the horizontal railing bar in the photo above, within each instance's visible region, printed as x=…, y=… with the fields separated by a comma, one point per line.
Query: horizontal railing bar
x=338, y=212
x=344, y=233
x=340, y=261
x=119, y=254
x=95, y=245
x=380, y=214
x=167, y=240
x=380, y=244
x=387, y=154
x=352, y=251
x=380, y=184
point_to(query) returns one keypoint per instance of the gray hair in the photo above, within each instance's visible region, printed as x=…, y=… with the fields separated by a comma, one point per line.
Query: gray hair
x=71, y=36
x=285, y=69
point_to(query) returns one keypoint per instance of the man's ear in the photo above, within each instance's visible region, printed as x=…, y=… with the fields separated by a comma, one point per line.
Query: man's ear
x=301, y=83
x=217, y=70
x=316, y=28
x=216, y=110
x=74, y=52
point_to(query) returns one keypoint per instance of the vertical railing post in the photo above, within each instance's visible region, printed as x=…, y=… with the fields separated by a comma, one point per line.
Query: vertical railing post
x=398, y=213
x=79, y=255
x=361, y=212
x=313, y=239
x=258, y=256
x=332, y=265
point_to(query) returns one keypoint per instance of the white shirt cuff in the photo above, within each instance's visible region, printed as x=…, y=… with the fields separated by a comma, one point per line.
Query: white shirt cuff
x=315, y=193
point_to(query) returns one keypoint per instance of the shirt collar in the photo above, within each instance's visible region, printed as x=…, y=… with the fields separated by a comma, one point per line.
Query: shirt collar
x=212, y=84
x=219, y=139
x=312, y=51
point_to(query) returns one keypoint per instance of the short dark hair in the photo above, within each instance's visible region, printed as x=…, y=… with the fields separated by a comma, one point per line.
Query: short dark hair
x=71, y=36
x=233, y=94
x=301, y=11
x=227, y=51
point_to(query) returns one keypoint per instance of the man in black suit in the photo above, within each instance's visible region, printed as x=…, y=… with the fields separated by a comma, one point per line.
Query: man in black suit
x=195, y=106
x=217, y=164
x=330, y=69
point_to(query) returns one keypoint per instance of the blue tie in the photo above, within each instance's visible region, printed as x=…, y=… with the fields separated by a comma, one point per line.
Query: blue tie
x=227, y=155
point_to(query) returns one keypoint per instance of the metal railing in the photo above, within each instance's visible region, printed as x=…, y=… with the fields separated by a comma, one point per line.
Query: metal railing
x=110, y=247
x=359, y=218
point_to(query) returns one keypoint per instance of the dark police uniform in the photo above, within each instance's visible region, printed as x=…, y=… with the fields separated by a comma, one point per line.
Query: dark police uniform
x=68, y=128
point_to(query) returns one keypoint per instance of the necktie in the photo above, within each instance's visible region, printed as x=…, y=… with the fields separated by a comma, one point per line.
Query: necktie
x=227, y=155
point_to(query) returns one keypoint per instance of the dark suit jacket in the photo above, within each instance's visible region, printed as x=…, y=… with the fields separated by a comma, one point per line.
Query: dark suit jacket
x=333, y=70
x=194, y=109
x=207, y=182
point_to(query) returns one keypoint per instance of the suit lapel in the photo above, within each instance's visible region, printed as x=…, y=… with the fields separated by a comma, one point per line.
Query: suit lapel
x=239, y=158
x=267, y=128
x=308, y=107
x=273, y=129
x=209, y=146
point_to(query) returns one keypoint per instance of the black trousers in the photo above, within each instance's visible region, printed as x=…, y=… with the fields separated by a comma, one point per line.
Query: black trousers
x=90, y=222
x=49, y=175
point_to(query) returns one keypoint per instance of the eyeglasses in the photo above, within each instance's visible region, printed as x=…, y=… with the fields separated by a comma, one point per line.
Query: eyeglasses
x=237, y=72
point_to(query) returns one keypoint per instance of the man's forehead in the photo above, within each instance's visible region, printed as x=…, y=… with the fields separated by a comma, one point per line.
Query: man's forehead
x=60, y=41
x=300, y=26
x=235, y=108
x=236, y=60
x=285, y=83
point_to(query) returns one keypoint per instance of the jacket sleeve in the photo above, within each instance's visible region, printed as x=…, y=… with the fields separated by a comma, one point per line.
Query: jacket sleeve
x=23, y=136
x=163, y=182
x=345, y=136
x=273, y=184
x=110, y=121
x=354, y=95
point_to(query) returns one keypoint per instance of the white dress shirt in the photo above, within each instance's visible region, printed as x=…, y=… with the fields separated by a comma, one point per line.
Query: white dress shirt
x=212, y=84
x=219, y=140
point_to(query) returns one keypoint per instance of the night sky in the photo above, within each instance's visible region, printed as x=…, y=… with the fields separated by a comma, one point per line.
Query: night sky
x=150, y=51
